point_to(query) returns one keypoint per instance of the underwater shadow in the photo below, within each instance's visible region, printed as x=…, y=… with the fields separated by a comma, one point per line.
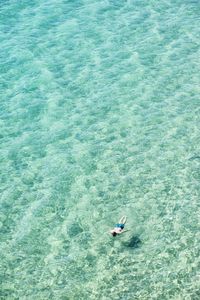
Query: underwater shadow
x=194, y=157
x=134, y=242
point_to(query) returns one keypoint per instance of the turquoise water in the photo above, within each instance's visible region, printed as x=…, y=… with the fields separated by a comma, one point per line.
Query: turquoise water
x=99, y=118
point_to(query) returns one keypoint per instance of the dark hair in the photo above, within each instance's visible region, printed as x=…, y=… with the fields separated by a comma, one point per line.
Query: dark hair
x=114, y=233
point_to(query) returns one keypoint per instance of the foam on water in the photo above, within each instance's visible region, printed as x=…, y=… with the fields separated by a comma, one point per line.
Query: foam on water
x=99, y=118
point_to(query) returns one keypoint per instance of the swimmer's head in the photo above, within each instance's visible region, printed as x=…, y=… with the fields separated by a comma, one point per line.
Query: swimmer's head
x=114, y=233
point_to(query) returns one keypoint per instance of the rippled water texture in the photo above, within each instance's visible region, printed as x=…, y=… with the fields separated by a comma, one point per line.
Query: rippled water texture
x=99, y=118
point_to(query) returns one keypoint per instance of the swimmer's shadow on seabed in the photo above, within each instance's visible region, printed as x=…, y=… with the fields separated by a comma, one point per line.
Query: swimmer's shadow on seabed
x=134, y=242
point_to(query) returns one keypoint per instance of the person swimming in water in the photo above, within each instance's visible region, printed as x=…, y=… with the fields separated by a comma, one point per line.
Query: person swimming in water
x=119, y=227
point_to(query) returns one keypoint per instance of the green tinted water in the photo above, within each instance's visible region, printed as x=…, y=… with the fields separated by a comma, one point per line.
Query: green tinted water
x=99, y=118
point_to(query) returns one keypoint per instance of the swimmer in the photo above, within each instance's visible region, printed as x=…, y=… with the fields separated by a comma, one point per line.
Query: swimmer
x=119, y=227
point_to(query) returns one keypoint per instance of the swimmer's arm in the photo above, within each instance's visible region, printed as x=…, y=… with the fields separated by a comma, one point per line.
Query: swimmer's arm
x=124, y=231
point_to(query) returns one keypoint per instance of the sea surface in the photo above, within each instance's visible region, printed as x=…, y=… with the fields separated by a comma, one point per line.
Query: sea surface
x=99, y=118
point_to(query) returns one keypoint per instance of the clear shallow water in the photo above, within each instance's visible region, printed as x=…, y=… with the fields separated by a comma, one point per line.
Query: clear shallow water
x=99, y=118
